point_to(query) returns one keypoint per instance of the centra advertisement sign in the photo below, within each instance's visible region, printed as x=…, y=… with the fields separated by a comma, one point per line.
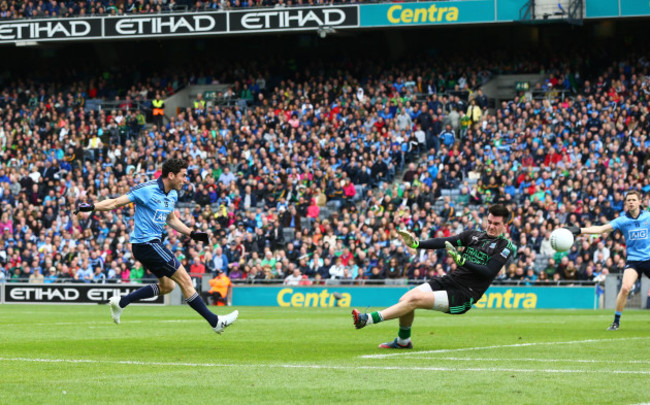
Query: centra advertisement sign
x=428, y=13
x=497, y=297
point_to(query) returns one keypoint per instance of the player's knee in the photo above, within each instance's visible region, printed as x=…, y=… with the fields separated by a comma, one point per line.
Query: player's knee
x=412, y=298
x=405, y=297
x=625, y=289
x=186, y=285
x=166, y=288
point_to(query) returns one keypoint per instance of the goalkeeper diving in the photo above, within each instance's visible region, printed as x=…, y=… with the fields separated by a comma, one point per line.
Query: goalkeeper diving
x=483, y=255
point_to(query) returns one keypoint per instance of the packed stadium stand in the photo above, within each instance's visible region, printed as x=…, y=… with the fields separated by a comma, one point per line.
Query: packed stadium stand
x=310, y=163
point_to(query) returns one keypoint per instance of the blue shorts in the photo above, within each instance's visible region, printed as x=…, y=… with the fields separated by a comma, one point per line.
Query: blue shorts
x=641, y=267
x=156, y=258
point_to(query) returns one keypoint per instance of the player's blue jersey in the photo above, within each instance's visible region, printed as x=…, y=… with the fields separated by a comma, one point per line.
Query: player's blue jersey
x=636, y=232
x=152, y=206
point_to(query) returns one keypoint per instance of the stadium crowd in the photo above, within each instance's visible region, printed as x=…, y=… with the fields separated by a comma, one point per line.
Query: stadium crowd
x=308, y=178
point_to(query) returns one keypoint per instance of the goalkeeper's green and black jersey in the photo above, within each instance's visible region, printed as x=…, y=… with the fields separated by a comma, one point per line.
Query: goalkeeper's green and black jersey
x=484, y=257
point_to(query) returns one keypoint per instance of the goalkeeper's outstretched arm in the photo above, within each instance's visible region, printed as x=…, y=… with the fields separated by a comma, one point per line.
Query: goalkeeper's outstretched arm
x=436, y=243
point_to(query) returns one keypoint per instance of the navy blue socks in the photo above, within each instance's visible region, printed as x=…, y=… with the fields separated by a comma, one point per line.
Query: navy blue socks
x=147, y=291
x=196, y=302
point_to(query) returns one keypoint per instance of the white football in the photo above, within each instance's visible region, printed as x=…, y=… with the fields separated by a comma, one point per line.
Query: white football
x=561, y=239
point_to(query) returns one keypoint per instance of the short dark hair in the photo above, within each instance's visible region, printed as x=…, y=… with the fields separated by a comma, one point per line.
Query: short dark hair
x=173, y=166
x=500, y=210
x=634, y=192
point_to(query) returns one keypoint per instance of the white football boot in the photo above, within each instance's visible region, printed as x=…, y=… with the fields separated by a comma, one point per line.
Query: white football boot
x=225, y=321
x=116, y=310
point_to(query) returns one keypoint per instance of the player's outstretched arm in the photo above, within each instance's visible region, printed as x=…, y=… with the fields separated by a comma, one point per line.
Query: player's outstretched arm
x=574, y=229
x=594, y=229
x=414, y=243
x=105, y=205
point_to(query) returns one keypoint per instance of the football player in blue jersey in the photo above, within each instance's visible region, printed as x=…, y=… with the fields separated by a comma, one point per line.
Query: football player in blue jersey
x=634, y=224
x=154, y=208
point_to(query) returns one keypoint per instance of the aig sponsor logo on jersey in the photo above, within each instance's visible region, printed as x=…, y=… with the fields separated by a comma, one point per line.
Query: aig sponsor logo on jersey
x=637, y=234
x=160, y=217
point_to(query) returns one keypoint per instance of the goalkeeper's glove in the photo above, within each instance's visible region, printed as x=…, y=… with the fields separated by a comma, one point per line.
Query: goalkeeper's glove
x=199, y=236
x=451, y=251
x=575, y=230
x=84, y=207
x=409, y=239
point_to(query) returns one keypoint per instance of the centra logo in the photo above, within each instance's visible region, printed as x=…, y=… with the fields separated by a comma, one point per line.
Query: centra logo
x=288, y=298
x=507, y=300
x=398, y=14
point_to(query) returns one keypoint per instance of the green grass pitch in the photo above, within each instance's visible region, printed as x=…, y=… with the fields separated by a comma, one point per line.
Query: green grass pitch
x=75, y=354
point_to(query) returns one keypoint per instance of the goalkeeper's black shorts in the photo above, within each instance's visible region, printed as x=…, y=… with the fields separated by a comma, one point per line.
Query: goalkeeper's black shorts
x=460, y=301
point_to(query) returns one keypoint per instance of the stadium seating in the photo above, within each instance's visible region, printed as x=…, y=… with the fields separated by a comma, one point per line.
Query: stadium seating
x=80, y=163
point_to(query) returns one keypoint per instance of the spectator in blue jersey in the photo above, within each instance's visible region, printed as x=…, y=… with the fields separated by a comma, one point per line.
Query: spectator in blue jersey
x=447, y=137
x=154, y=208
x=634, y=224
x=51, y=276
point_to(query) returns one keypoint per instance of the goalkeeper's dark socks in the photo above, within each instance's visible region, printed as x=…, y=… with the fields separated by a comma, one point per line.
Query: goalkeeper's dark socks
x=148, y=291
x=404, y=335
x=196, y=302
x=374, y=317
x=617, y=317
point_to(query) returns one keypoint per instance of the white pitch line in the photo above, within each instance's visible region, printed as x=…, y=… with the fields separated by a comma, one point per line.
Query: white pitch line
x=320, y=366
x=107, y=323
x=540, y=360
x=467, y=349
